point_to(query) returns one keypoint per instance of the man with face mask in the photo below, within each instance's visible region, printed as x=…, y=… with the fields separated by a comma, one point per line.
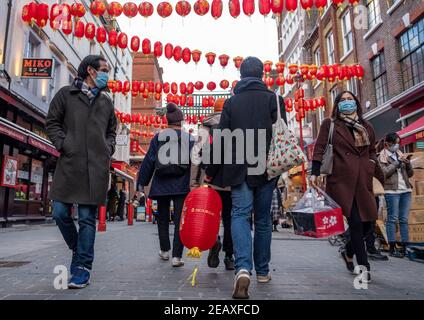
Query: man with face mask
x=81, y=123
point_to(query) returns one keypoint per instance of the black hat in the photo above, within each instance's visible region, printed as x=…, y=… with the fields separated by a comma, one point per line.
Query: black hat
x=173, y=114
x=252, y=67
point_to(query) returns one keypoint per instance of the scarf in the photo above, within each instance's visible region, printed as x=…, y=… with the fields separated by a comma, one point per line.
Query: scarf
x=360, y=133
x=82, y=85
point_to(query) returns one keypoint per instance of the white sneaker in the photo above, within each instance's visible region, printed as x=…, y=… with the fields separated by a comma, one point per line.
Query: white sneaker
x=177, y=262
x=241, y=285
x=164, y=255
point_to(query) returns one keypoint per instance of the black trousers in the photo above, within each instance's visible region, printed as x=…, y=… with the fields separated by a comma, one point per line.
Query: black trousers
x=357, y=231
x=226, y=221
x=163, y=224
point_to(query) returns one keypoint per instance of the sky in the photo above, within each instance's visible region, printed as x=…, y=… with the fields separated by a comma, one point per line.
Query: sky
x=244, y=36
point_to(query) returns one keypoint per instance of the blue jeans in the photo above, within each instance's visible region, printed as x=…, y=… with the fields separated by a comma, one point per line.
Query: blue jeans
x=82, y=241
x=245, y=201
x=398, y=206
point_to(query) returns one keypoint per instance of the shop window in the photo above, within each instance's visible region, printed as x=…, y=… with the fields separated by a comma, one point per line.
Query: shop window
x=23, y=177
x=32, y=50
x=36, y=183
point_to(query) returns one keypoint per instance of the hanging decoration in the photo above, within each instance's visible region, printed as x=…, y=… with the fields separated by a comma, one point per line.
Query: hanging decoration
x=234, y=8
x=201, y=7
x=216, y=9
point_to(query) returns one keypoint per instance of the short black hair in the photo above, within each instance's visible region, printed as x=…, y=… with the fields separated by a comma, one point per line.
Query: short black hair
x=391, y=137
x=336, y=112
x=89, y=61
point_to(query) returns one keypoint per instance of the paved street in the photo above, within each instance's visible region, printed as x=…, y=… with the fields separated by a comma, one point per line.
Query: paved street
x=127, y=267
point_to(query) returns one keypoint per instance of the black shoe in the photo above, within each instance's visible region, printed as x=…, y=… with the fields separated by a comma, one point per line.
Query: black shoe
x=394, y=252
x=229, y=263
x=349, y=264
x=213, y=257
x=377, y=255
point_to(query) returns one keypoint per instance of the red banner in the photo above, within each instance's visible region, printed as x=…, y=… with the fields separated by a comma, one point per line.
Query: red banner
x=43, y=146
x=13, y=133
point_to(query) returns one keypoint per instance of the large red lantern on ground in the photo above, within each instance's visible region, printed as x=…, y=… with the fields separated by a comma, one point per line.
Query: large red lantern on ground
x=264, y=7
x=158, y=49
x=195, y=55
x=234, y=8
x=130, y=9
x=113, y=38
x=97, y=8
x=186, y=55
x=145, y=9
x=183, y=8
x=79, y=29
x=238, y=61
x=216, y=9
x=146, y=46
x=135, y=44
x=122, y=41
x=164, y=9
x=210, y=58
x=224, y=84
x=211, y=86
x=291, y=5
x=200, y=220
x=101, y=35
x=277, y=6
x=248, y=7
x=169, y=51
x=201, y=7
x=223, y=60
x=199, y=85
x=114, y=9
x=78, y=10
x=90, y=31
x=306, y=4
x=178, y=53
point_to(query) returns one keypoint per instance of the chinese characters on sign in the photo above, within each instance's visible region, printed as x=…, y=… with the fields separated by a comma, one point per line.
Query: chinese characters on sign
x=37, y=68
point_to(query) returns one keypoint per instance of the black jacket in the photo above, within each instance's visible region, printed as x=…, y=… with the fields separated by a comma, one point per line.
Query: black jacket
x=252, y=107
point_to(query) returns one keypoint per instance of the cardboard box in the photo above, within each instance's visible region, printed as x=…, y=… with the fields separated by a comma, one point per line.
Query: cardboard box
x=417, y=160
x=417, y=202
x=416, y=233
x=418, y=175
x=419, y=188
x=416, y=217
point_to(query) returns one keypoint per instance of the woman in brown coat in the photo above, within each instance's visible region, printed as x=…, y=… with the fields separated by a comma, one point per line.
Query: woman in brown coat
x=350, y=183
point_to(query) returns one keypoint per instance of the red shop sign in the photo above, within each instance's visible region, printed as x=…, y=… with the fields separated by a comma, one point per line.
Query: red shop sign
x=15, y=134
x=43, y=146
x=9, y=172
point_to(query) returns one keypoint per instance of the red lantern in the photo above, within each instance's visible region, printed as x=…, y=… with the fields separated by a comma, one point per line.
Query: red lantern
x=114, y=9
x=320, y=4
x=354, y=2
x=174, y=88
x=210, y=58
x=151, y=86
x=304, y=69
x=267, y=66
x=142, y=87
x=113, y=38
x=211, y=86
x=201, y=7
x=166, y=87
x=97, y=8
x=164, y=9
x=111, y=85
x=269, y=81
x=130, y=9
x=195, y=55
x=205, y=102
x=90, y=31
x=169, y=51
x=293, y=68
x=321, y=73
x=199, y=85
x=157, y=49
x=183, y=8
x=146, y=46
x=289, y=80
x=291, y=5
x=280, y=67
x=264, y=7
x=118, y=86
x=78, y=10
x=339, y=3
x=211, y=101
x=289, y=104
x=158, y=87
x=280, y=81
x=223, y=60
x=183, y=88
x=178, y=53
x=79, y=29
x=146, y=9
x=26, y=16
x=216, y=8
x=122, y=41
x=101, y=35
x=190, y=101
x=234, y=8
x=277, y=6
x=186, y=55
x=126, y=87
x=234, y=83
x=183, y=101
x=224, y=84
x=359, y=71
x=313, y=69
x=248, y=7
x=237, y=61
x=145, y=95
x=135, y=44
x=135, y=87
x=67, y=27
x=307, y=4
x=200, y=219
x=169, y=98
x=190, y=88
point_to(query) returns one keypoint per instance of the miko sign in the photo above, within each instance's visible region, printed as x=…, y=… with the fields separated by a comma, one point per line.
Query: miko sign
x=37, y=68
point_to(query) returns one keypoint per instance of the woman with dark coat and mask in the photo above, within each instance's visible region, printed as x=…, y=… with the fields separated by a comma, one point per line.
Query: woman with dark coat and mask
x=397, y=191
x=351, y=182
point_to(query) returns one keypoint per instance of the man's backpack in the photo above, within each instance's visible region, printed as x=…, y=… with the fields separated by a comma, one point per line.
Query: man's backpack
x=170, y=169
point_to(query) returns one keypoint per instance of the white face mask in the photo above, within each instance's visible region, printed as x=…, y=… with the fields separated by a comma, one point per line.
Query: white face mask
x=394, y=148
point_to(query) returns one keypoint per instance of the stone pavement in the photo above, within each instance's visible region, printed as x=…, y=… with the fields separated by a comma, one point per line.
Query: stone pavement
x=127, y=267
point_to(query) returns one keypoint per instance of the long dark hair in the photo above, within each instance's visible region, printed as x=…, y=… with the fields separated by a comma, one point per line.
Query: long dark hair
x=336, y=112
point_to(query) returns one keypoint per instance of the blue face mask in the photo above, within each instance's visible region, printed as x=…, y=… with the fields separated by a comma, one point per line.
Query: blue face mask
x=101, y=79
x=347, y=106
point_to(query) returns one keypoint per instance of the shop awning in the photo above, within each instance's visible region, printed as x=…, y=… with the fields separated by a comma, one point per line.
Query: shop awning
x=412, y=133
x=123, y=174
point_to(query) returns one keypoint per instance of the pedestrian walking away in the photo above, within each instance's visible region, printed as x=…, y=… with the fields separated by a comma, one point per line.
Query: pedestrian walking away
x=81, y=123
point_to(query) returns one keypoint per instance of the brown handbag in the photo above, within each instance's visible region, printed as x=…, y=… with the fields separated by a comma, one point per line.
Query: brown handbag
x=328, y=157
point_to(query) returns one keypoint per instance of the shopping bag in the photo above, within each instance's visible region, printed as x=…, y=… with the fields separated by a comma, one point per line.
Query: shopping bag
x=284, y=152
x=317, y=215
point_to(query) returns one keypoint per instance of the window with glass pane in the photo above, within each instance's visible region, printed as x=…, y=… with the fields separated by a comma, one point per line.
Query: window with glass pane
x=330, y=48
x=352, y=86
x=380, y=79
x=374, y=17
x=333, y=95
x=32, y=50
x=317, y=57
x=347, y=33
x=412, y=54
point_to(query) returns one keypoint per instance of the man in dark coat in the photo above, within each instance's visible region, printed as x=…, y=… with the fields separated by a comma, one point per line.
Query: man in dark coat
x=81, y=124
x=252, y=110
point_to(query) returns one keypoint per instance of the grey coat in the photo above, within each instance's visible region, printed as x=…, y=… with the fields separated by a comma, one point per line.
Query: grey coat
x=390, y=169
x=85, y=135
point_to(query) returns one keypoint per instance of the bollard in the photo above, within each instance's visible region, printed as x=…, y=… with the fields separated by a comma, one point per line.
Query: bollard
x=130, y=214
x=102, y=219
